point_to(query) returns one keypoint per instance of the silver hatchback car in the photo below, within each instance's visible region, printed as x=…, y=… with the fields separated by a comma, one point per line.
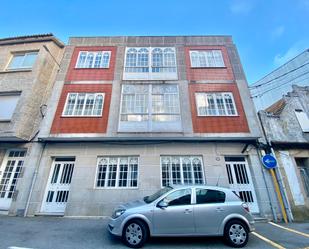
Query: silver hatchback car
x=198, y=210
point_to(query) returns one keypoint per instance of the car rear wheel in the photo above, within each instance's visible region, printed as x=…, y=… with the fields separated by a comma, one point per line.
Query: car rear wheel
x=135, y=234
x=236, y=233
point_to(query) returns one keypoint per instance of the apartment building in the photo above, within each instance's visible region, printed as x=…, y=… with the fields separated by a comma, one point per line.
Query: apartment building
x=130, y=115
x=28, y=67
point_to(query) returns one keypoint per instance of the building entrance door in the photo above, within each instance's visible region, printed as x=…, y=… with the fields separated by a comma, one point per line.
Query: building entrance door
x=240, y=181
x=58, y=186
x=9, y=174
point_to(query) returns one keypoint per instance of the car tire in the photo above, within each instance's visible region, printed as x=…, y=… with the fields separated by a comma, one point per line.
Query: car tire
x=135, y=234
x=236, y=233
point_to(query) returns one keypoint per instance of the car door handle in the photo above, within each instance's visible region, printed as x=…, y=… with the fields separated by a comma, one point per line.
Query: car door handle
x=188, y=211
x=219, y=209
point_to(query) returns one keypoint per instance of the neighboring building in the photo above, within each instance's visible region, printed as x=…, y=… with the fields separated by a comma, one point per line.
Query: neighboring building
x=27, y=75
x=129, y=115
x=270, y=88
x=286, y=124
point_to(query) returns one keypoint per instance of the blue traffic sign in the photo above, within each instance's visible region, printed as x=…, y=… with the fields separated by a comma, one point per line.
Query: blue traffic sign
x=269, y=161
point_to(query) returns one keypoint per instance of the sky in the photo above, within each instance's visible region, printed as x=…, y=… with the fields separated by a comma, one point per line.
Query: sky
x=267, y=33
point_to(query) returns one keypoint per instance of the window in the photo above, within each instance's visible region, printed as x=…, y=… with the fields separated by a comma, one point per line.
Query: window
x=84, y=104
x=181, y=170
x=209, y=196
x=178, y=198
x=215, y=104
x=7, y=106
x=303, y=120
x=150, y=63
x=22, y=60
x=95, y=59
x=303, y=167
x=150, y=107
x=117, y=172
x=208, y=58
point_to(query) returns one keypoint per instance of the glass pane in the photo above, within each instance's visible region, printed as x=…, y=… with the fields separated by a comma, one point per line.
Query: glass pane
x=89, y=104
x=89, y=60
x=16, y=61
x=97, y=61
x=82, y=60
x=7, y=106
x=29, y=60
x=80, y=104
x=70, y=104
x=220, y=104
x=105, y=61
x=179, y=197
x=98, y=105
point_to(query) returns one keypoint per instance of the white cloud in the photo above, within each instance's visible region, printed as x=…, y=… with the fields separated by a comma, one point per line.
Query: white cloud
x=241, y=6
x=278, y=32
x=293, y=51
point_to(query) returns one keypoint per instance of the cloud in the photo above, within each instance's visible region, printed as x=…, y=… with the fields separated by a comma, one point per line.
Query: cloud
x=293, y=51
x=278, y=32
x=241, y=6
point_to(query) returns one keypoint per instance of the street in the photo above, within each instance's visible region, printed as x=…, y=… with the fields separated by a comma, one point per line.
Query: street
x=65, y=233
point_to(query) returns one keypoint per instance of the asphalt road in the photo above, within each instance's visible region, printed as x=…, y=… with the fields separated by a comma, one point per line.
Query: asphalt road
x=65, y=233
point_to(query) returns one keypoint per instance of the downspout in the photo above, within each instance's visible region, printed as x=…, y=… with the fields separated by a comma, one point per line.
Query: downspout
x=285, y=207
x=34, y=177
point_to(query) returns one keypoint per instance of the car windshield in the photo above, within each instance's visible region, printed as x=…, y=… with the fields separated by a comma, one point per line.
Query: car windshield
x=151, y=198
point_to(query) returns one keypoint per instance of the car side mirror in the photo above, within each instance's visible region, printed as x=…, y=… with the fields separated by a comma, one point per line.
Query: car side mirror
x=162, y=204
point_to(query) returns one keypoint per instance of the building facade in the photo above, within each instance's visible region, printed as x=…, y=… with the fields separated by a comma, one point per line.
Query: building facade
x=286, y=124
x=28, y=67
x=130, y=115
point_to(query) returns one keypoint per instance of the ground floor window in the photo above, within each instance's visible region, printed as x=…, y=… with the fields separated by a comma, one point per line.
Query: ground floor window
x=182, y=170
x=303, y=166
x=117, y=172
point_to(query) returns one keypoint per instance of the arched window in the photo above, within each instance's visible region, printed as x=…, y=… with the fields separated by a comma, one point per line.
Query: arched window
x=157, y=60
x=131, y=59
x=82, y=59
x=169, y=60
x=97, y=62
x=89, y=60
x=142, y=60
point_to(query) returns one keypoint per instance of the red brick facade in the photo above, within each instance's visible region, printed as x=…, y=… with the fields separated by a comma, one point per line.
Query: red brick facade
x=196, y=74
x=218, y=124
x=80, y=74
x=82, y=124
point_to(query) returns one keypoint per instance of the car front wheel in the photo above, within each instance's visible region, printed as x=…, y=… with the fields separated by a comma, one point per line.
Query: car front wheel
x=135, y=234
x=236, y=233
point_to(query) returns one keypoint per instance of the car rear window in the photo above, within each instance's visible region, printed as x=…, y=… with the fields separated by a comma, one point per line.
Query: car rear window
x=209, y=196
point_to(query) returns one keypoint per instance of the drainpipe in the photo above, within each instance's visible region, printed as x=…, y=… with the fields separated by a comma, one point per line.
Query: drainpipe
x=35, y=174
x=277, y=180
x=267, y=188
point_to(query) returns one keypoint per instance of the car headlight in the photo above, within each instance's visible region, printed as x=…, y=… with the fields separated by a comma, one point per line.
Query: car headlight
x=117, y=213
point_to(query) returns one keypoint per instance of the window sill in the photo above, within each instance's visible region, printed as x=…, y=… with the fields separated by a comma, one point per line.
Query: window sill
x=209, y=67
x=16, y=70
x=82, y=68
x=86, y=116
x=217, y=116
x=115, y=188
x=5, y=120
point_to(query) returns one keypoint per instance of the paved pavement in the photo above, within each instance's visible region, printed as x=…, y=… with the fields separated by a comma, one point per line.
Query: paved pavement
x=67, y=233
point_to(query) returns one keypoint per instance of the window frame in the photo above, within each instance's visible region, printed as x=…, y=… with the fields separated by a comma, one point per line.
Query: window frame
x=24, y=53
x=204, y=51
x=181, y=171
x=84, y=105
x=215, y=103
x=150, y=74
x=93, y=62
x=150, y=123
x=117, y=173
x=15, y=94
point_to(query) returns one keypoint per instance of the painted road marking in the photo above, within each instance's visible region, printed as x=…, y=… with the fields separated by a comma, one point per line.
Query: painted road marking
x=274, y=244
x=15, y=247
x=290, y=229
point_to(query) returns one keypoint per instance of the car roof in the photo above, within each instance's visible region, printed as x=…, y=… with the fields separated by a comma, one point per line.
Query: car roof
x=201, y=186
